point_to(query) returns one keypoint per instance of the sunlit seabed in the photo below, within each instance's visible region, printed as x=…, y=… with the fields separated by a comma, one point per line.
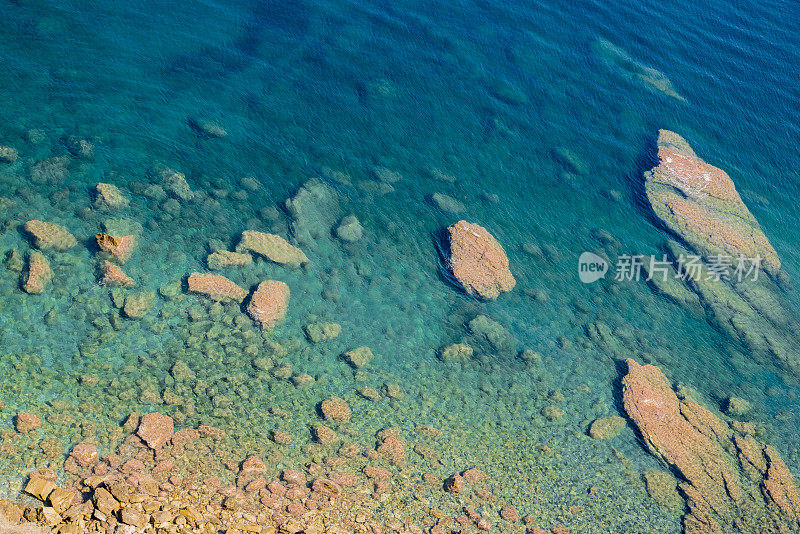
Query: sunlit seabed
x=485, y=93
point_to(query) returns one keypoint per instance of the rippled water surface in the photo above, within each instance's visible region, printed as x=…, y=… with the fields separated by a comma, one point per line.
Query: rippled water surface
x=540, y=117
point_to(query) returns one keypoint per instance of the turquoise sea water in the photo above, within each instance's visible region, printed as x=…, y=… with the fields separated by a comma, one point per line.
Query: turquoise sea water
x=492, y=94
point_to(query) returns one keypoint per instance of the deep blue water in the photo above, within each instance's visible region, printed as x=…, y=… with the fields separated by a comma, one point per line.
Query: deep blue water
x=483, y=91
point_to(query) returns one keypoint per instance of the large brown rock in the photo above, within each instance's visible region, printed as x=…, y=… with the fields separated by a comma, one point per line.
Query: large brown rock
x=156, y=429
x=269, y=302
x=478, y=261
x=215, y=287
x=731, y=481
x=699, y=203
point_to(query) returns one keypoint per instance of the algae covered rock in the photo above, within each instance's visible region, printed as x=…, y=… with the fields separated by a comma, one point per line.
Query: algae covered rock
x=138, y=304
x=8, y=154
x=477, y=261
x=49, y=236
x=607, y=427
x=456, y=352
x=109, y=196
x=37, y=275
x=349, y=229
x=491, y=335
x=224, y=259
x=273, y=247
x=319, y=332
x=358, y=357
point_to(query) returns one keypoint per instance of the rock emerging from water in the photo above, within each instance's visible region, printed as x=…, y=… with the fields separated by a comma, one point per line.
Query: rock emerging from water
x=478, y=262
x=215, y=287
x=37, y=275
x=269, y=302
x=699, y=202
x=117, y=247
x=731, y=481
x=49, y=236
x=273, y=247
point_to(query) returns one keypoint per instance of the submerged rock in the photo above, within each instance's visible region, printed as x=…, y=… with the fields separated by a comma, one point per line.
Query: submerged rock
x=109, y=196
x=447, y=203
x=269, y=302
x=118, y=247
x=8, y=154
x=49, y=236
x=350, y=229
x=478, y=262
x=731, y=481
x=314, y=211
x=215, y=287
x=175, y=183
x=607, y=427
x=37, y=275
x=206, y=128
x=273, y=247
x=456, y=352
x=224, y=259
x=112, y=275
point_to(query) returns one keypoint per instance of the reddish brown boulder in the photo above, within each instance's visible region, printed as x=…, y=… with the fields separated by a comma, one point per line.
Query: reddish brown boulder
x=269, y=303
x=699, y=202
x=478, y=261
x=732, y=482
x=25, y=422
x=156, y=429
x=119, y=248
x=112, y=275
x=37, y=275
x=215, y=287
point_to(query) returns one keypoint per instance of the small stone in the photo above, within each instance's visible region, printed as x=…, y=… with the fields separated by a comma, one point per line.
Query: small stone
x=324, y=434
x=117, y=247
x=215, y=287
x=358, y=357
x=85, y=453
x=61, y=499
x=50, y=516
x=112, y=275
x=455, y=484
x=131, y=516
x=269, y=303
x=607, y=427
x=272, y=247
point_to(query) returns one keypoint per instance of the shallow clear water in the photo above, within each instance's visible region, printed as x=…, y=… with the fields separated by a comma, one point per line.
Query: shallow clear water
x=486, y=92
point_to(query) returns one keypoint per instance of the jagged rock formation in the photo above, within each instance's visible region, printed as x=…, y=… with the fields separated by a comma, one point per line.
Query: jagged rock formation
x=732, y=482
